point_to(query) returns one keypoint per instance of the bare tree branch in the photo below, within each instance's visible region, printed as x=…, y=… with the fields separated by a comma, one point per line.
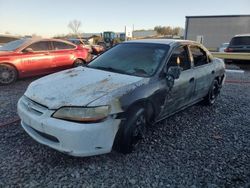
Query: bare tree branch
x=74, y=25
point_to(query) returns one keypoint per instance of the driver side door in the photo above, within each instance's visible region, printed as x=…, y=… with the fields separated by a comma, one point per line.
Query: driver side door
x=181, y=93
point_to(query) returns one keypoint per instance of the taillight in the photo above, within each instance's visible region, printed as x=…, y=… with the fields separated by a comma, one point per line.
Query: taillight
x=228, y=50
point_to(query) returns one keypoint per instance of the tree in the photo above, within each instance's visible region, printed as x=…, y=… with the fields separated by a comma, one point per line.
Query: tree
x=176, y=30
x=162, y=30
x=167, y=30
x=74, y=25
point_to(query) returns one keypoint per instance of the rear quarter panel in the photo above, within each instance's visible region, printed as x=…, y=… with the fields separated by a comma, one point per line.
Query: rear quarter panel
x=219, y=66
x=81, y=53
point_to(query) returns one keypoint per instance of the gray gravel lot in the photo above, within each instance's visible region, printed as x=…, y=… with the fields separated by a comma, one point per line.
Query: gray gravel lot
x=198, y=147
x=9, y=96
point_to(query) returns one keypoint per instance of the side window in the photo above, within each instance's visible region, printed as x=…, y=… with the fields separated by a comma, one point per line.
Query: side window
x=199, y=56
x=39, y=46
x=180, y=55
x=62, y=45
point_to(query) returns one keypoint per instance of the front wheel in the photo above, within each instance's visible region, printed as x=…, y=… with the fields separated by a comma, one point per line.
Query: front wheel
x=8, y=74
x=132, y=130
x=213, y=93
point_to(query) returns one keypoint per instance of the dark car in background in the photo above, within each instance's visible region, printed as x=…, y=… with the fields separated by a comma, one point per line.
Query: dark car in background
x=238, y=44
x=7, y=38
x=29, y=57
x=94, y=49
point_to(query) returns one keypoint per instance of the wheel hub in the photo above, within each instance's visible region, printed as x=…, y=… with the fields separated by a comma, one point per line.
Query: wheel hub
x=214, y=93
x=140, y=127
x=5, y=75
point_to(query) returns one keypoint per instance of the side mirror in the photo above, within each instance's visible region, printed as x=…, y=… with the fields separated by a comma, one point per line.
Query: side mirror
x=28, y=50
x=174, y=71
x=172, y=74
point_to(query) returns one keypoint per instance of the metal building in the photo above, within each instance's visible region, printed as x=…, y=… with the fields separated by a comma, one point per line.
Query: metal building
x=212, y=31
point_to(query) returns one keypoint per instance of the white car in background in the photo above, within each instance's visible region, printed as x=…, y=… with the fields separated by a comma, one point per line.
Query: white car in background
x=223, y=46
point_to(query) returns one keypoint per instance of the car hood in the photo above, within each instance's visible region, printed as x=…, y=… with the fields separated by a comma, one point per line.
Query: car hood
x=77, y=87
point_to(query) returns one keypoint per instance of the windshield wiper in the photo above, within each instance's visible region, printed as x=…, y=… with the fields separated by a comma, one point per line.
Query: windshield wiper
x=111, y=69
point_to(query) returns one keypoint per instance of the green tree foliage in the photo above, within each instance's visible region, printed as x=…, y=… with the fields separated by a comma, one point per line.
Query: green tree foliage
x=167, y=30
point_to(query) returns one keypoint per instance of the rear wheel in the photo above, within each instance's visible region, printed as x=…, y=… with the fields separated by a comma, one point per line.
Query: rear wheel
x=8, y=74
x=79, y=62
x=131, y=131
x=89, y=57
x=213, y=93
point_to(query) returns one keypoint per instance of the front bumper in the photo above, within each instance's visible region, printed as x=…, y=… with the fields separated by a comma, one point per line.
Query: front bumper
x=76, y=139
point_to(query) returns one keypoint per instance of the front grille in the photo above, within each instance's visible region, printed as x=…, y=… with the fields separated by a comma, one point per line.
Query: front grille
x=47, y=136
x=33, y=106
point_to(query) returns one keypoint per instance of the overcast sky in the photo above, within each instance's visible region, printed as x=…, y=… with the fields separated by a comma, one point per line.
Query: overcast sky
x=51, y=17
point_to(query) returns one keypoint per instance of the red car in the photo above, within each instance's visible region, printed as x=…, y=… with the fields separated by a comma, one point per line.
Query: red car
x=30, y=57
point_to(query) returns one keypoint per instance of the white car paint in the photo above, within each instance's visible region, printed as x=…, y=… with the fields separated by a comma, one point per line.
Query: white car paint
x=75, y=87
x=223, y=46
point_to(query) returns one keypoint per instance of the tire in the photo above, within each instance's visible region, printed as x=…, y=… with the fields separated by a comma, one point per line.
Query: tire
x=89, y=57
x=79, y=62
x=8, y=74
x=131, y=131
x=213, y=93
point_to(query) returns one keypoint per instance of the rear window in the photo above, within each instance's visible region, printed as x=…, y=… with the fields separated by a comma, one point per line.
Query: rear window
x=62, y=45
x=77, y=42
x=240, y=41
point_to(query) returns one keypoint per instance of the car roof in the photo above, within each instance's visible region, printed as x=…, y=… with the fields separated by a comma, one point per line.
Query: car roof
x=32, y=40
x=243, y=35
x=169, y=42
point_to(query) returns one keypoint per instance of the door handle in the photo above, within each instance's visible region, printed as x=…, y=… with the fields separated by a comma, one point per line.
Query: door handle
x=191, y=80
x=213, y=72
x=46, y=53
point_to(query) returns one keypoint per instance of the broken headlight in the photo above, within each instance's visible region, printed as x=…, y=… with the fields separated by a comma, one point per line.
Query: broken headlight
x=82, y=114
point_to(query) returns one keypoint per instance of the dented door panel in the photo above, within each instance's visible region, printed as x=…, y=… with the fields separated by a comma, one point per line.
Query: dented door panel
x=181, y=94
x=204, y=76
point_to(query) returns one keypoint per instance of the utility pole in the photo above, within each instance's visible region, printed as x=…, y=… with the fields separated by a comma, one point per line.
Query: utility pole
x=133, y=31
x=125, y=33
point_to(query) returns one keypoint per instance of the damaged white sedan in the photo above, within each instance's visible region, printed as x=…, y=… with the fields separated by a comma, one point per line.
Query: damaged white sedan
x=108, y=104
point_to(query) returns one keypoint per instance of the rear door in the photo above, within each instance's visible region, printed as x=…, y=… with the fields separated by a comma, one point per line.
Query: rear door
x=36, y=58
x=63, y=55
x=203, y=70
x=183, y=89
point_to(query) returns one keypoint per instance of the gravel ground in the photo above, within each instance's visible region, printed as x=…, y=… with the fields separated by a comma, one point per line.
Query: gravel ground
x=198, y=147
x=9, y=96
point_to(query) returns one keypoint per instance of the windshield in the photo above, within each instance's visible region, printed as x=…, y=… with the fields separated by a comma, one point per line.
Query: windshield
x=133, y=59
x=11, y=46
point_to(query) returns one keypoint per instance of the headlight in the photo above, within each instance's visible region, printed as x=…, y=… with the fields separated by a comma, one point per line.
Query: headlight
x=82, y=114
